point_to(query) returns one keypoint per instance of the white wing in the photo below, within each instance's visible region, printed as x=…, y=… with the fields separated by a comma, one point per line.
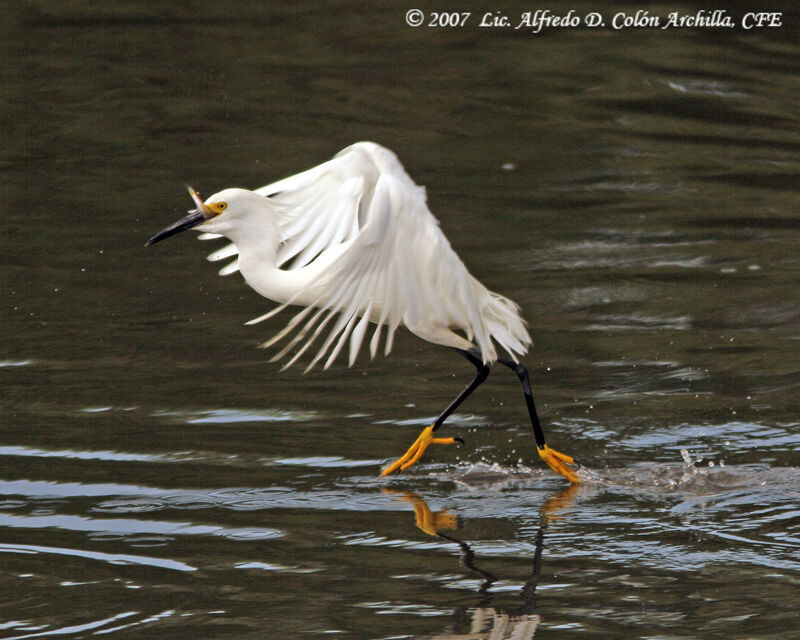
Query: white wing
x=394, y=265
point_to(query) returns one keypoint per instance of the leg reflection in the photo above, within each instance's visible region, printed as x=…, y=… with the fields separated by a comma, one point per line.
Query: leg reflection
x=467, y=557
x=484, y=621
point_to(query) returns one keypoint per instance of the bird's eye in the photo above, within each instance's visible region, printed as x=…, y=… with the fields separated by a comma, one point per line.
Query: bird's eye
x=221, y=206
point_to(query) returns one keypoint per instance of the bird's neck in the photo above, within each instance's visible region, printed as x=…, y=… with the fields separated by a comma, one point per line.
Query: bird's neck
x=258, y=263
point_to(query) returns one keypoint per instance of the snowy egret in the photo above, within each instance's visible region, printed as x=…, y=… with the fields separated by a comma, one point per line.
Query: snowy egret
x=352, y=242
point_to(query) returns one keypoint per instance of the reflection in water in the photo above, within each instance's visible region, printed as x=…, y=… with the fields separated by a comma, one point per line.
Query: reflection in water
x=430, y=522
x=485, y=621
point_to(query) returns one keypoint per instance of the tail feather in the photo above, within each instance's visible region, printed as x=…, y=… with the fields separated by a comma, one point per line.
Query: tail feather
x=502, y=321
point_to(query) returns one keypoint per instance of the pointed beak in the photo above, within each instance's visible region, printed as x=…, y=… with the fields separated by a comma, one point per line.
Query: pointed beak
x=195, y=217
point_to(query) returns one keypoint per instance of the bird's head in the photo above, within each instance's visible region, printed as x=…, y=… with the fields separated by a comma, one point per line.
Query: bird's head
x=218, y=214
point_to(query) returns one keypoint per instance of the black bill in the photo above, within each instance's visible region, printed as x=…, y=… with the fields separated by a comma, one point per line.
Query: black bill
x=195, y=217
x=192, y=220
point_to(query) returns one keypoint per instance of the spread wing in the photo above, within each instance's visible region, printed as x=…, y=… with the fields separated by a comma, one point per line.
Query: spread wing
x=386, y=262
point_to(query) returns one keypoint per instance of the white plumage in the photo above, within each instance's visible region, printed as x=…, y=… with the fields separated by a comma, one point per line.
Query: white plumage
x=353, y=241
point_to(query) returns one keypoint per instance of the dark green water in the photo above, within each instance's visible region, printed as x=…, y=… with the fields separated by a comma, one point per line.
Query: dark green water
x=636, y=191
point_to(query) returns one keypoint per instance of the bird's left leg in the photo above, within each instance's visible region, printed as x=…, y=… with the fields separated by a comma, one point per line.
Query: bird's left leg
x=426, y=438
x=557, y=461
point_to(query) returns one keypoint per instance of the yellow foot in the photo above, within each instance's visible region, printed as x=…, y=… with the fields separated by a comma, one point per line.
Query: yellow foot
x=416, y=450
x=558, y=462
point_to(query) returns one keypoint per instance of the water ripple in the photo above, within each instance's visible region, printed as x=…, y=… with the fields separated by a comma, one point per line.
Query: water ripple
x=128, y=528
x=231, y=416
x=111, y=558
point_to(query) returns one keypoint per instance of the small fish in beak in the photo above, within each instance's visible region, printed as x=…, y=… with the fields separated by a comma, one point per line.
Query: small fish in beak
x=195, y=217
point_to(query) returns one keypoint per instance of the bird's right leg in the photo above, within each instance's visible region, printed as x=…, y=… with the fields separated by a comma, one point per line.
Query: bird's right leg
x=426, y=438
x=557, y=461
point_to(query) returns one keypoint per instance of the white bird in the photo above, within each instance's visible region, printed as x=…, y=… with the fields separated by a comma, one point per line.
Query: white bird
x=352, y=242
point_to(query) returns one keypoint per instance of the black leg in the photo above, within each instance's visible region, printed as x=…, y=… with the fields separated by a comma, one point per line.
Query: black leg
x=481, y=374
x=426, y=438
x=522, y=373
x=557, y=461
